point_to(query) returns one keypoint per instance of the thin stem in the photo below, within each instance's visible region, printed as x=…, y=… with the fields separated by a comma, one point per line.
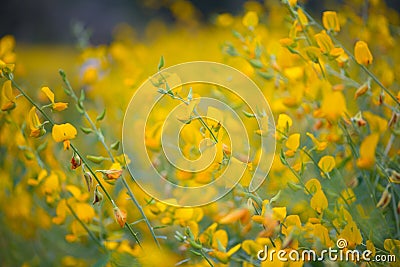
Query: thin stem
x=206, y=258
x=101, y=138
x=308, y=39
x=197, y=116
x=364, y=68
x=52, y=123
x=91, y=234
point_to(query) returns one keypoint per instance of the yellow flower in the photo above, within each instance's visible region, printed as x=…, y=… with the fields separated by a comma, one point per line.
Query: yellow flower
x=351, y=234
x=8, y=99
x=293, y=3
x=319, y=202
x=362, y=54
x=64, y=133
x=36, y=127
x=242, y=215
x=283, y=125
x=250, y=20
x=367, y=151
x=330, y=21
x=327, y=163
x=225, y=20
x=302, y=17
x=58, y=106
x=292, y=143
x=324, y=42
x=320, y=145
x=313, y=185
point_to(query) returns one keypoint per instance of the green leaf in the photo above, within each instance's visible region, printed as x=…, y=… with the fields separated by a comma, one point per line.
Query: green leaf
x=276, y=197
x=95, y=159
x=195, y=252
x=29, y=155
x=266, y=75
x=42, y=147
x=82, y=97
x=161, y=63
x=101, y=116
x=66, y=91
x=283, y=158
x=115, y=145
x=248, y=114
x=256, y=63
x=79, y=109
x=258, y=51
x=86, y=130
x=237, y=34
x=295, y=187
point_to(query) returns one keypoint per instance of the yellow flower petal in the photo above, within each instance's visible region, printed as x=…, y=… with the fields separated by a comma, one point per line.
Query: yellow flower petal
x=250, y=19
x=8, y=98
x=59, y=106
x=293, y=141
x=330, y=21
x=327, y=163
x=319, y=202
x=50, y=95
x=62, y=132
x=313, y=185
x=362, y=54
x=324, y=42
x=367, y=151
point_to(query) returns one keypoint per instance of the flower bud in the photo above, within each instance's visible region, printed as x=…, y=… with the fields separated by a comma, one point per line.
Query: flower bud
x=120, y=216
x=75, y=161
x=88, y=179
x=98, y=197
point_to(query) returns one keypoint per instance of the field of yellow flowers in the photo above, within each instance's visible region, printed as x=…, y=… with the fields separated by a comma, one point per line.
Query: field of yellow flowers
x=332, y=84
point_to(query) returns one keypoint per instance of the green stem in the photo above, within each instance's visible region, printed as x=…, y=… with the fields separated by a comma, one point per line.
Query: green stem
x=364, y=68
x=52, y=123
x=102, y=141
x=206, y=258
x=91, y=234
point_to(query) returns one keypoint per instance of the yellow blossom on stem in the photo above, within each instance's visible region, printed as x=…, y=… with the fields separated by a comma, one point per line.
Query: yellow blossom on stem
x=8, y=99
x=36, y=127
x=324, y=42
x=351, y=233
x=292, y=143
x=367, y=151
x=318, y=201
x=58, y=106
x=326, y=164
x=250, y=20
x=330, y=21
x=64, y=133
x=319, y=145
x=362, y=54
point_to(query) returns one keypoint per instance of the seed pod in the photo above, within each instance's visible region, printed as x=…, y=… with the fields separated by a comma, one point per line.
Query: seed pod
x=98, y=197
x=88, y=179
